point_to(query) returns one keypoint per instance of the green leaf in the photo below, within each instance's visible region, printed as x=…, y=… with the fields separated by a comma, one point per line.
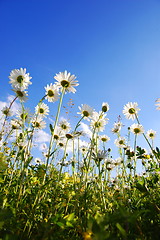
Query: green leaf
x=69, y=217
x=60, y=224
x=141, y=188
x=51, y=128
x=121, y=229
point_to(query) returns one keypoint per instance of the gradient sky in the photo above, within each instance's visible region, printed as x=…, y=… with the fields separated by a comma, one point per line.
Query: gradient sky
x=112, y=46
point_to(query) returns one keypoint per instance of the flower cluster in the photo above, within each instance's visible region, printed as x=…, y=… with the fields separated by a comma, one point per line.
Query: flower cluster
x=26, y=125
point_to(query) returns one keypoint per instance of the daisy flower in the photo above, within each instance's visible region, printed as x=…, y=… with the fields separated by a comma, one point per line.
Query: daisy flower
x=52, y=93
x=130, y=110
x=74, y=134
x=58, y=133
x=38, y=123
x=117, y=127
x=19, y=78
x=7, y=111
x=98, y=121
x=109, y=167
x=64, y=125
x=120, y=142
x=151, y=134
x=108, y=160
x=42, y=109
x=104, y=138
x=84, y=146
x=38, y=161
x=23, y=114
x=118, y=161
x=86, y=111
x=15, y=124
x=22, y=95
x=67, y=81
x=100, y=155
x=22, y=144
x=105, y=107
x=136, y=128
x=61, y=143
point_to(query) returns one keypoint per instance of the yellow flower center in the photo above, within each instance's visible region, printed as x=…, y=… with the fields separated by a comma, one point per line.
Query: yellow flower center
x=97, y=124
x=65, y=83
x=41, y=110
x=50, y=93
x=85, y=113
x=6, y=111
x=20, y=79
x=63, y=126
x=136, y=130
x=132, y=111
x=23, y=116
x=104, y=109
x=19, y=93
x=104, y=139
x=56, y=137
x=69, y=136
x=37, y=124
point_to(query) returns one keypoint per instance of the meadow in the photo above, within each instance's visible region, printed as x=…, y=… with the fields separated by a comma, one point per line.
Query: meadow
x=76, y=189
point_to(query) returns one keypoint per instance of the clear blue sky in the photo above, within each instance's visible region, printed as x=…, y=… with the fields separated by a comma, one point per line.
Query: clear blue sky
x=112, y=46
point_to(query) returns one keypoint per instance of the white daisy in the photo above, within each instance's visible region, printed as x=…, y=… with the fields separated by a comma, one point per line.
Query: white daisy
x=108, y=160
x=151, y=134
x=120, y=142
x=84, y=146
x=98, y=121
x=38, y=123
x=62, y=143
x=137, y=129
x=64, y=125
x=130, y=110
x=42, y=109
x=100, y=155
x=104, y=138
x=118, y=161
x=52, y=93
x=7, y=111
x=19, y=78
x=67, y=81
x=38, y=161
x=58, y=133
x=105, y=107
x=117, y=127
x=86, y=111
x=23, y=115
x=15, y=124
x=109, y=167
x=22, y=95
x=22, y=144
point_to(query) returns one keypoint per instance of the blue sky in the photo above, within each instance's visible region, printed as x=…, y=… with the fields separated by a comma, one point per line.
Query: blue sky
x=112, y=46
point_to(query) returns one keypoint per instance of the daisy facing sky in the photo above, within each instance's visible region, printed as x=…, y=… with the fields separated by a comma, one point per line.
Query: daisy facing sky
x=42, y=109
x=20, y=79
x=86, y=111
x=130, y=110
x=67, y=81
x=137, y=129
x=52, y=93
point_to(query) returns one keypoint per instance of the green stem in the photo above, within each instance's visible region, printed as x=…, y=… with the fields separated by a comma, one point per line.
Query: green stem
x=135, y=158
x=52, y=135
